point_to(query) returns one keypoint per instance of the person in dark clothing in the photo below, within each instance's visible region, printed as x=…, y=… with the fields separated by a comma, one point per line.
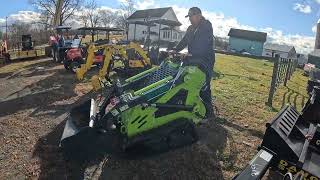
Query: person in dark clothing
x=199, y=39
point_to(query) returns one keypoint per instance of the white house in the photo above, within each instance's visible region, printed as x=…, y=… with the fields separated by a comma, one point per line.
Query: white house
x=302, y=59
x=156, y=18
x=284, y=51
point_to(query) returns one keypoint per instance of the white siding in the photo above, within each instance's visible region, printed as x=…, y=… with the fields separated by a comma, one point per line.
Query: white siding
x=170, y=15
x=268, y=53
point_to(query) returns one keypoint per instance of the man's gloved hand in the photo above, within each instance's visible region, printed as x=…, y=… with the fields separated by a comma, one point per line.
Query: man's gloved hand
x=173, y=51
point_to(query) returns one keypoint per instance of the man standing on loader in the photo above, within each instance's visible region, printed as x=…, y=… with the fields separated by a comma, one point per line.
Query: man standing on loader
x=199, y=39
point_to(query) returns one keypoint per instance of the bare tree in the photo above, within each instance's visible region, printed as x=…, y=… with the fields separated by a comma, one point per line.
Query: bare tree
x=92, y=13
x=127, y=9
x=83, y=18
x=49, y=6
x=44, y=21
x=107, y=17
x=221, y=43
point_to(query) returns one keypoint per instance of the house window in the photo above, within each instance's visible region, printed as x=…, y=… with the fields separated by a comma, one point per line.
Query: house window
x=175, y=36
x=166, y=34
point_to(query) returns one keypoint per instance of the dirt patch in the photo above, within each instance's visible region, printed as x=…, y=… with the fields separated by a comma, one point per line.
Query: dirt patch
x=29, y=112
x=34, y=102
x=198, y=161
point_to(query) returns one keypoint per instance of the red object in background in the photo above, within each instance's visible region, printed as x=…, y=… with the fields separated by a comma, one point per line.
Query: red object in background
x=53, y=40
x=98, y=58
x=74, y=53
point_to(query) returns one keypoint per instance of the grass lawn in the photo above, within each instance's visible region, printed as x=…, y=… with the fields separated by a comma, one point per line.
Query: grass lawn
x=241, y=88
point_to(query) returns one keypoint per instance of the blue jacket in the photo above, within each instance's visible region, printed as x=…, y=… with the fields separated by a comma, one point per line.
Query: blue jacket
x=200, y=42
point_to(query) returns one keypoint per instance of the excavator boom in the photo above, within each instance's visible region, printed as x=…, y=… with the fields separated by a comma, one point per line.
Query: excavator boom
x=109, y=50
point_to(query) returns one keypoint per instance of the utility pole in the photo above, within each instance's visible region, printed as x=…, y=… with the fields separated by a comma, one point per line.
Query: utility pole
x=6, y=28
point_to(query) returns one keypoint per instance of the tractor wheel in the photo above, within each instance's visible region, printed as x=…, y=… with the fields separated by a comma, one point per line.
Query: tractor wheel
x=56, y=59
x=66, y=65
x=74, y=66
x=53, y=55
x=182, y=136
x=7, y=59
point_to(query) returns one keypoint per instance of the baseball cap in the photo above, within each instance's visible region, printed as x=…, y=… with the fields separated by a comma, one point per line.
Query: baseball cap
x=193, y=11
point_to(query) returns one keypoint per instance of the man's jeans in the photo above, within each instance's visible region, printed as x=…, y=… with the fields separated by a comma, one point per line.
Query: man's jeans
x=205, y=93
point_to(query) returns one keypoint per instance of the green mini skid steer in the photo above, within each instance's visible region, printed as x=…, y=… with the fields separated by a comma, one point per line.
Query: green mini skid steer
x=156, y=110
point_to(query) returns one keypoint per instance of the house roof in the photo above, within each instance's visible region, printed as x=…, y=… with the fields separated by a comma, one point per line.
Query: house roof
x=249, y=35
x=315, y=52
x=165, y=28
x=278, y=47
x=159, y=12
x=168, y=28
x=144, y=23
x=167, y=22
x=299, y=55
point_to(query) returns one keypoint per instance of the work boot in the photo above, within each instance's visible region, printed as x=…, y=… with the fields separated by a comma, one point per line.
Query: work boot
x=210, y=110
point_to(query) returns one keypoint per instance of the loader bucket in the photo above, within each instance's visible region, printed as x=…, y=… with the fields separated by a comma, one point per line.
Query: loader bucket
x=77, y=133
x=78, y=119
x=79, y=141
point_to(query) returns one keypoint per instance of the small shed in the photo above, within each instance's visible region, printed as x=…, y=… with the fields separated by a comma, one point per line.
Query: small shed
x=284, y=51
x=314, y=58
x=247, y=41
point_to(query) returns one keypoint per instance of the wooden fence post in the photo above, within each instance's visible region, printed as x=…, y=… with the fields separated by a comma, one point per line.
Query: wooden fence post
x=274, y=80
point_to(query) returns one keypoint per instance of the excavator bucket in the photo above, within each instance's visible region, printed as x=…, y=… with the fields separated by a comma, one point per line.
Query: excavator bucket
x=79, y=140
x=76, y=120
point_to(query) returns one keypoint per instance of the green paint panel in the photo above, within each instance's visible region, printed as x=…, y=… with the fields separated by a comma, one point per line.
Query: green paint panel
x=140, y=119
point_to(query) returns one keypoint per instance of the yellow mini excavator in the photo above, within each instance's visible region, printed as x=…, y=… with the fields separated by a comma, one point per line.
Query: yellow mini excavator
x=128, y=59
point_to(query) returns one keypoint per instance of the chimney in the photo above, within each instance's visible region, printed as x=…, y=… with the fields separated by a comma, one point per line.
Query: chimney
x=317, y=44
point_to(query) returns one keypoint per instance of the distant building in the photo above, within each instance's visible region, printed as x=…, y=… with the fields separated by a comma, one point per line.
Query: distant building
x=247, y=41
x=317, y=41
x=302, y=59
x=314, y=58
x=284, y=51
x=138, y=21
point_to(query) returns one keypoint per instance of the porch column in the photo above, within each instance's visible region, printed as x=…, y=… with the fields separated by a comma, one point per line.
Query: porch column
x=134, y=34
